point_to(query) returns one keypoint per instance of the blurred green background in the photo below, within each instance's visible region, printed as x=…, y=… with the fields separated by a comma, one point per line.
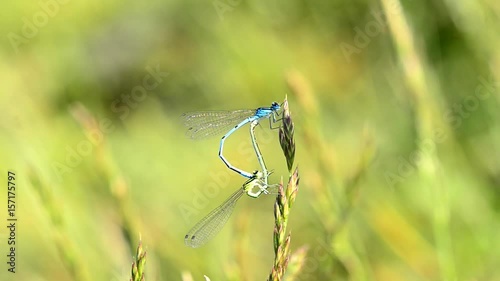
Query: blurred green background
x=397, y=126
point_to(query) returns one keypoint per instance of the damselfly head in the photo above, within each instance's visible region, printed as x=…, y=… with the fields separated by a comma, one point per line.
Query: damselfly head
x=275, y=106
x=258, y=174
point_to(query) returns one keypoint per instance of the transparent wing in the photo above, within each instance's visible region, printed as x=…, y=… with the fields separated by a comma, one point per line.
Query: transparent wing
x=210, y=225
x=204, y=124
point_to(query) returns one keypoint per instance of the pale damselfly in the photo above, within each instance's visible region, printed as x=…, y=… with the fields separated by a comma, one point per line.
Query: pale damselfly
x=212, y=223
